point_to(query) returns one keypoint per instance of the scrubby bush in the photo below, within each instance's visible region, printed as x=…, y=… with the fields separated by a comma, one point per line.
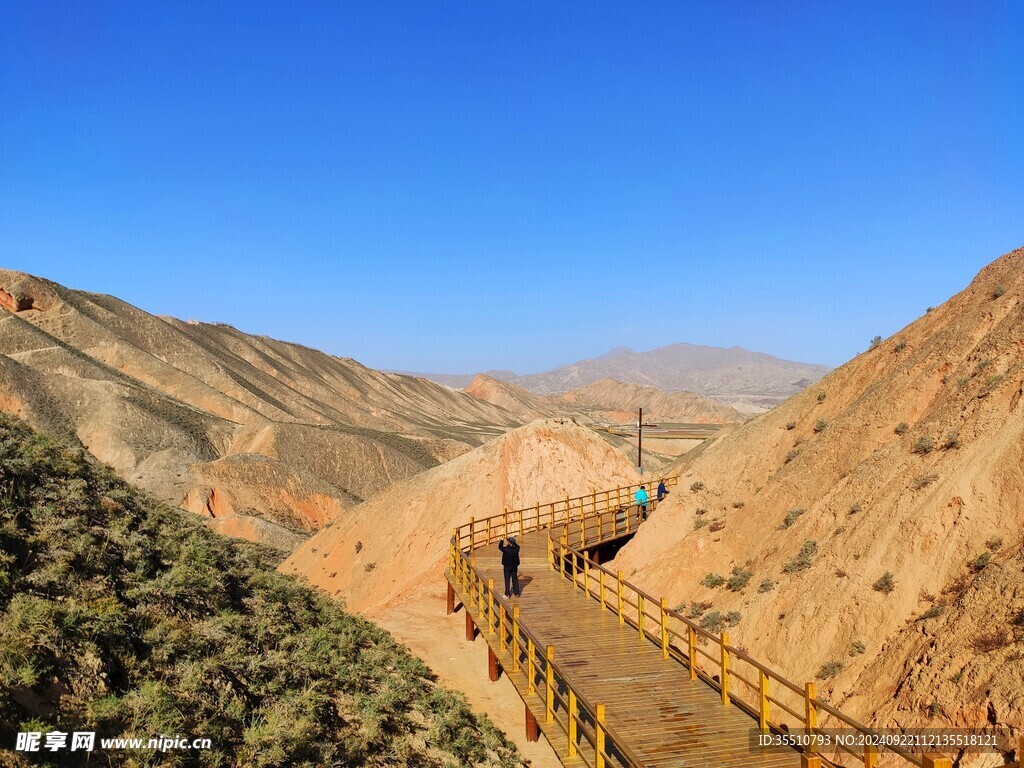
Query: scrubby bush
x=994, y=543
x=876, y=342
x=855, y=508
x=713, y=580
x=716, y=526
x=998, y=291
x=791, y=517
x=924, y=445
x=792, y=454
x=697, y=486
x=122, y=616
x=698, y=609
x=819, y=425
x=738, y=579
x=951, y=440
x=885, y=583
x=933, y=612
x=713, y=621
x=738, y=505
x=981, y=562
x=699, y=522
x=900, y=346
x=901, y=428
x=829, y=670
x=766, y=585
x=991, y=641
x=821, y=397
x=857, y=648
x=923, y=481
x=790, y=425
x=804, y=558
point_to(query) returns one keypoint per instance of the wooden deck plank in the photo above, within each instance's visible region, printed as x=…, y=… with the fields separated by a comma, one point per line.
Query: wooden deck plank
x=668, y=720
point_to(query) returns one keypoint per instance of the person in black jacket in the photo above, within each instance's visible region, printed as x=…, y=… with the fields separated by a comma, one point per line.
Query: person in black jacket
x=510, y=562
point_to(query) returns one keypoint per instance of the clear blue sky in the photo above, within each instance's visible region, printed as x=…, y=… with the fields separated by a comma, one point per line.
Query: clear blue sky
x=456, y=186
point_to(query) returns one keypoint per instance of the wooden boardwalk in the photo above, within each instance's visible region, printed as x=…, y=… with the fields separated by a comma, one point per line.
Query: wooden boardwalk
x=667, y=719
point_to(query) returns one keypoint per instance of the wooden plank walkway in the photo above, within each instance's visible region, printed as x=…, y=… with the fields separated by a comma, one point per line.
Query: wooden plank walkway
x=667, y=719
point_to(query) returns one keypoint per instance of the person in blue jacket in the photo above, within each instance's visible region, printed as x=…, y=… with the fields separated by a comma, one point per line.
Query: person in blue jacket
x=641, y=499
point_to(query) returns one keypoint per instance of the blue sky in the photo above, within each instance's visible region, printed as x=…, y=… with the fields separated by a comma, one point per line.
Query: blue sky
x=457, y=186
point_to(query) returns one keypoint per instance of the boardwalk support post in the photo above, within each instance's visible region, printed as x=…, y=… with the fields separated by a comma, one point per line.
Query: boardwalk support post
x=599, y=736
x=493, y=665
x=573, y=726
x=532, y=729
x=764, y=708
x=549, y=684
x=531, y=670
x=725, y=669
x=811, y=721
x=664, y=629
x=618, y=588
x=870, y=756
x=450, y=605
x=515, y=638
x=470, y=627
x=640, y=617
x=936, y=760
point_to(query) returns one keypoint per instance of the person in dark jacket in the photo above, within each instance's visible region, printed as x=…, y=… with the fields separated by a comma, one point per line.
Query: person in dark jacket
x=662, y=490
x=510, y=562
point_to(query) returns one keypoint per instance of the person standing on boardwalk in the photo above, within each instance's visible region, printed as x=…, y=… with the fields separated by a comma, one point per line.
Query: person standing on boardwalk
x=510, y=562
x=641, y=501
x=662, y=490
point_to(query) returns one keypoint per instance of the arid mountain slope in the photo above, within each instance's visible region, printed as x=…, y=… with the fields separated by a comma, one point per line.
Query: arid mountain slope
x=610, y=400
x=879, y=516
x=389, y=546
x=513, y=399
x=166, y=402
x=750, y=381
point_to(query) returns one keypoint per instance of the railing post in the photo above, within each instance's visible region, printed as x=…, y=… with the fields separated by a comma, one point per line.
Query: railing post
x=504, y=515
x=489, y=611
x=810, y=714
x=531, y=667
x=549, y=684
x=561, y=559
x=568, y=510
x=641, y=621
x=583, y=529
x=573, y=728
x=764, y=706
x=692, y=652
x=936, y=760
x=522, y=532
x=515, y=638
x=586, y=575
x=725, y=668
x=501, y=626
x=472, y=534
x=600, y=576
x=599, y=717
x=664, y=629
x=488, y=542
x=870, y=756
x=618, y=589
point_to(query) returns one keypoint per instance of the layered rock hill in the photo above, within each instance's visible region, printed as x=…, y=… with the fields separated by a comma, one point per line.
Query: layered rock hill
x=873, y=524
x=611, y=400
x=266, y=439
x=371, y=563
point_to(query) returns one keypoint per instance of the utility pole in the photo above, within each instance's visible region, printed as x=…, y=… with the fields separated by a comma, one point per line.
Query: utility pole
x=640, y=424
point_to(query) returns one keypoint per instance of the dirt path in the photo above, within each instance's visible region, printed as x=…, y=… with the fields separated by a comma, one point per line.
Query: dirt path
x=439, y=640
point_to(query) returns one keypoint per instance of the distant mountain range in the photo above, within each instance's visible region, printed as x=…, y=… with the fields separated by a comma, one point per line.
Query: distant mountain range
x=750, y=381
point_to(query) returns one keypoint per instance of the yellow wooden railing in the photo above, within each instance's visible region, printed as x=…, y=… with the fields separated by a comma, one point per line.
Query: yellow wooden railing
x=583, y=725
x=488, y=530
x=774, y=702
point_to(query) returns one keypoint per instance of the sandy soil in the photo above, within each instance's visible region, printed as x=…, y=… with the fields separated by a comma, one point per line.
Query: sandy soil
x=420, y=622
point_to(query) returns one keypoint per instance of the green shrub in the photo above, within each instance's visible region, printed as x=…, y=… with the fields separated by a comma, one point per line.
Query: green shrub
x=951, y=440
x=994, y=544
x=900, y=346
x=924, y=445
x=792, y=454
x=821, y=397
x=738, y=505
x=981, y=562
x=933, y=612
x=855, y=508
x=790, y=425
x=713, y=621
x=766, y=585
x=713, y=580
x=791, y=517
x=131, y=618
x=875, y=342
x=901, y=428
x=698, y=609
x=738, y=579
x=819, y=425
x=699, y=522
x=697, y=486
x=998, y=291
x=857, y=648
x=885, y=583
x=804, y=558
x=923, y=481
x=829, y=670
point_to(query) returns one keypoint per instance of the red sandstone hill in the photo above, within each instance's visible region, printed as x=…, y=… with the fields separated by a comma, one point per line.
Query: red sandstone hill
x=878, y=515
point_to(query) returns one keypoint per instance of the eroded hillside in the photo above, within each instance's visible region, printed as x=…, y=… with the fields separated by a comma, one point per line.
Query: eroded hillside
x=872, y=524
